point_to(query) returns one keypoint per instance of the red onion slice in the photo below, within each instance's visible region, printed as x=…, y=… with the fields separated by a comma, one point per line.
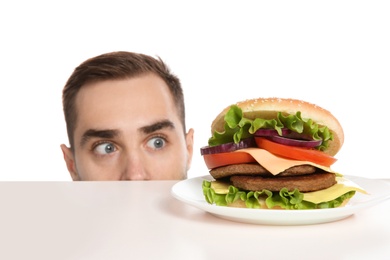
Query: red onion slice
x=295, y=142
x=264, y=132
x=228, y=147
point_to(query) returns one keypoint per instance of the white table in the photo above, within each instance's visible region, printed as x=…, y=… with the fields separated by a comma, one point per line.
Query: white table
x=141, y=220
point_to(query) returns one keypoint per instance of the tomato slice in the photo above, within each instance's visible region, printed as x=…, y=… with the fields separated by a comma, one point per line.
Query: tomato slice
x=221, y=159
x=296, y=153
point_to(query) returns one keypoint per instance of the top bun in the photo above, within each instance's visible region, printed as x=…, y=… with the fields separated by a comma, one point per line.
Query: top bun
x=267, y=108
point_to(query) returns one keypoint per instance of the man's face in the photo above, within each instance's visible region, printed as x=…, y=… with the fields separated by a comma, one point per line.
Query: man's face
x=128, y=130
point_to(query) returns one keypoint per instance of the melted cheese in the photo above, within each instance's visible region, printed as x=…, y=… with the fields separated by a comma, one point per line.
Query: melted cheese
x=275, y=164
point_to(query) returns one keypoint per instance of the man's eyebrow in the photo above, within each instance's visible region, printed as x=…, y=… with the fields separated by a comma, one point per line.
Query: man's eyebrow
x=106, y=133
x=157, y=126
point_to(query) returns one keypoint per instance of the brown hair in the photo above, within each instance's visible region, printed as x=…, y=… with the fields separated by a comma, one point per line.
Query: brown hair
x=116, y=66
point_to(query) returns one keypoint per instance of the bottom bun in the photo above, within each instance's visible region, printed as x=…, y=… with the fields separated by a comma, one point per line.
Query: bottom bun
x=241, y=204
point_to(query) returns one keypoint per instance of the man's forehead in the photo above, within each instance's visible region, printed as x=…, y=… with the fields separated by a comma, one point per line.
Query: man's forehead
x=124, y=104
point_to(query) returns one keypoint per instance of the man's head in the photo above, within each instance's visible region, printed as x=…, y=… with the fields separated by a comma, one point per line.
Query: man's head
x=125, y=119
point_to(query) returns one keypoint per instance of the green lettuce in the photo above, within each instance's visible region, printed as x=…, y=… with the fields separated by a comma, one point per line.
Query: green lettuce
x=292, y=200
x=238, y=127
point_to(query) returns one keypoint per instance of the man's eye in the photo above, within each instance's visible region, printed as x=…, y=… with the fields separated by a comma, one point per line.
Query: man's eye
x=105, y=148
x=156, y=143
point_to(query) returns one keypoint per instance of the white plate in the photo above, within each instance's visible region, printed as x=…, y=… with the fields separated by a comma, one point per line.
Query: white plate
x=190, y=192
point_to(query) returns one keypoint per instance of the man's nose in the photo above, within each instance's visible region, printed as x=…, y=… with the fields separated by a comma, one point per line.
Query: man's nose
x=134, y=168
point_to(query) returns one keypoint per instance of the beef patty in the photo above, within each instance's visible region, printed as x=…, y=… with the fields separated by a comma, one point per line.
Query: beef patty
x=257, y=169
x=304, y=183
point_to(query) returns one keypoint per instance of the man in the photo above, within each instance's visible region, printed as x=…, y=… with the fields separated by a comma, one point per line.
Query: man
x=125, y=120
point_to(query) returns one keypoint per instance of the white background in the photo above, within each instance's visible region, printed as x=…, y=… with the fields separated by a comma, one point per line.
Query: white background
x=332, y=53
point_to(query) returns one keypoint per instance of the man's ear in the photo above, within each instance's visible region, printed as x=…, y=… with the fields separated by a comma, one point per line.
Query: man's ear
x=70, y=164
x=190, y=147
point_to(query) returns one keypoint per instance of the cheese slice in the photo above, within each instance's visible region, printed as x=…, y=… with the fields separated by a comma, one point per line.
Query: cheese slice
x=342, y=186
x=275, y=164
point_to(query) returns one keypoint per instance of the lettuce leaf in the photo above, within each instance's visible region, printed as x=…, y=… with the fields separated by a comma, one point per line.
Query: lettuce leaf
x=238, y=127
x=291, y=200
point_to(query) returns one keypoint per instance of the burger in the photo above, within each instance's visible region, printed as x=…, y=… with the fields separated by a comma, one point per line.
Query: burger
x=275, y=153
